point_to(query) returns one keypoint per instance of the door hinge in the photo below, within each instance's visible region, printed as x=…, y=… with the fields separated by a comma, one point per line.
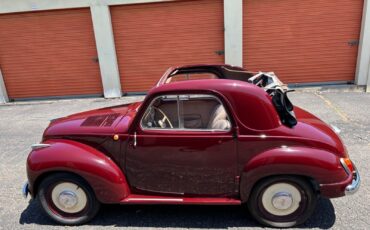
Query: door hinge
x=237, y=183
x=95, y=59
x=220, y=52
x=353, y=42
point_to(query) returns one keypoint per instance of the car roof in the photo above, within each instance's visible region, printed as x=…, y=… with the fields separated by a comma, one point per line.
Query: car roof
x=242, y=97
x=219, y=85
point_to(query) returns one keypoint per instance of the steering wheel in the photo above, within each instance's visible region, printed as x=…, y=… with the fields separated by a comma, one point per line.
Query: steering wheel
x=162, y=122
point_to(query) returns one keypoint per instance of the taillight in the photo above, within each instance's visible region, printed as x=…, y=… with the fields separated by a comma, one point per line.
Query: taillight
x=347, y=165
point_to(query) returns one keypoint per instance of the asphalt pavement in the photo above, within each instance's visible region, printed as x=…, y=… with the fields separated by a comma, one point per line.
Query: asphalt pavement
x=22, y=124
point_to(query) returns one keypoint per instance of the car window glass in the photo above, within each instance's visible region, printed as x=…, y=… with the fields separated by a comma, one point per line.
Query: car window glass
x=186, y=112
x=203, y=112
x=162, y=113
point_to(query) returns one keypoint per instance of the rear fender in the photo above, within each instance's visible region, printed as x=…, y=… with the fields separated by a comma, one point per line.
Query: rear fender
x=319, y=165
x=104, y=176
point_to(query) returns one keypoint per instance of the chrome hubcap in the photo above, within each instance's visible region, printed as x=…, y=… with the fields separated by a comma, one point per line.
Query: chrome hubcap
x=69, y=197
x=282, y=200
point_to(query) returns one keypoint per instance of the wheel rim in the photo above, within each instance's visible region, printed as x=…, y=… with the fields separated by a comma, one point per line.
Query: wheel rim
x=68, y=197
x=281, y=199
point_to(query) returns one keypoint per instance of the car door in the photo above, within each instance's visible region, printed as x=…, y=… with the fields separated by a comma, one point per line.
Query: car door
x=183, y=145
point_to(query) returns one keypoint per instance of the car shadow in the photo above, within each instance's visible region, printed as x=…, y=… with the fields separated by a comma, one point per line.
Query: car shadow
x=168, y=216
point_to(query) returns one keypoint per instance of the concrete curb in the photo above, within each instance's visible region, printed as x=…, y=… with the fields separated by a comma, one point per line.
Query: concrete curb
x=87, y=100
x=330, y=89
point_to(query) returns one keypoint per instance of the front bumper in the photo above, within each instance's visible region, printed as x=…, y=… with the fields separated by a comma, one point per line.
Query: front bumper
x=355, y=185
x=25, y=190
x=347, y=187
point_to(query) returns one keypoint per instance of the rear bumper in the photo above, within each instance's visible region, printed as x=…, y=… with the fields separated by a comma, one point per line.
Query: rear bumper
x=355, y=185
x=347, y=187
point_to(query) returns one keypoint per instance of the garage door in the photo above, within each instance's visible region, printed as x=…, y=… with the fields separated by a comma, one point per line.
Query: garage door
x=152, y=37
x=302, y=41
x=51, y=53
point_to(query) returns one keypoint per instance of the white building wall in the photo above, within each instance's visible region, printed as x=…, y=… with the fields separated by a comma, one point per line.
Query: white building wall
x=233, y=21
x=363, y=59
x=3, y=94
x=105, y=46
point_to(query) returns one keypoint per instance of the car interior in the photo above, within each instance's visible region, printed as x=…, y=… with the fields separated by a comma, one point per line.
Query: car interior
x=265, y=80
x=195, y=112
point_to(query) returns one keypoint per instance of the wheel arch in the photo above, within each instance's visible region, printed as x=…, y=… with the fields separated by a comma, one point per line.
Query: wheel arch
x=104, y=177
x=41, y=177
x=313, y=165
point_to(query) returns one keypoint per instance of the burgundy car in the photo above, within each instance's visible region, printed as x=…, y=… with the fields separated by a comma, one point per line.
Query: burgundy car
x=206, y=134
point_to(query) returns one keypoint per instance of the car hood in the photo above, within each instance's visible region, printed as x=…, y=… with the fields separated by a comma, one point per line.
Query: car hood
x=316, y=133
x=104, y=121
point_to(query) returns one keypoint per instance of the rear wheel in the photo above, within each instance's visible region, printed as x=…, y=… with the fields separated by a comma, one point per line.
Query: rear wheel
x=283, y=201
x=67, y=199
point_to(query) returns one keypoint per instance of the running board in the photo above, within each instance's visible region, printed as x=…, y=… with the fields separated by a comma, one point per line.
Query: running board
x=142, y=199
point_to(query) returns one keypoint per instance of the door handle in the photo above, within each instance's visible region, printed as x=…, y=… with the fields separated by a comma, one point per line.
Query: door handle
x=135, y=141
x=95, y=59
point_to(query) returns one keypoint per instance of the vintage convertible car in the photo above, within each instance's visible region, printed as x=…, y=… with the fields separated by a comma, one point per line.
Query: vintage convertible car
x=206, y=134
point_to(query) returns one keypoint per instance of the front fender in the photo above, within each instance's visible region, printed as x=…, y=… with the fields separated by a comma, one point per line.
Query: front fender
x=322, y=166
x=103, y=175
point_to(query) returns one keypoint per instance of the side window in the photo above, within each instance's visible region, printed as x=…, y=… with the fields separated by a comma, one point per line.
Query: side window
x=163, y=113
x=204, y=112
x=186, y=112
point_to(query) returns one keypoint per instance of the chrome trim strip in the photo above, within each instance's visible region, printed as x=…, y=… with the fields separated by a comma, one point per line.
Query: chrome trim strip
x=190, y=130
x=39, y=146
x=25, y=190
x=355, y=185
x=179, y=111
x=335, y=129
x=155, y=199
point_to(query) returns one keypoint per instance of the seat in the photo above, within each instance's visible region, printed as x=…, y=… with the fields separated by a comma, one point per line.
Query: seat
x=219, y=119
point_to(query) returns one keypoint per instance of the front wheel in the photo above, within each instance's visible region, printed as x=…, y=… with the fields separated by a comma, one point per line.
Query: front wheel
x=282, y=201
x=67, y=199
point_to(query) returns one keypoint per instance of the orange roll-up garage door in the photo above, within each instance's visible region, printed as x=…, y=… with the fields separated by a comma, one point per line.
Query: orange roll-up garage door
x=49, y=53
x=152, y=37
x=302, y=41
